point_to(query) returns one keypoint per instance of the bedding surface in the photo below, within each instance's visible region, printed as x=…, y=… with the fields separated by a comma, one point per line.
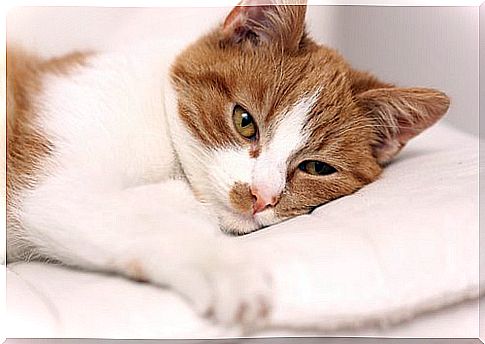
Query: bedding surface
x=399, y=248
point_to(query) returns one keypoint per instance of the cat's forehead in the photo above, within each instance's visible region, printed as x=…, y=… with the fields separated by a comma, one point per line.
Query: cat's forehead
x=273, y=87
x=281, y=79
x=271, y=84
x=312, y=88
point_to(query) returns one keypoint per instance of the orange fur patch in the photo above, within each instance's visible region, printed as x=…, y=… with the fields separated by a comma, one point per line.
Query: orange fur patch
x=241, y=198
x=27, y=145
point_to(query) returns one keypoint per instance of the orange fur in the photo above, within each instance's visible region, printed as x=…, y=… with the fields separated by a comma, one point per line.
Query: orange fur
x=262, y=59
x=241, y=198
x=27, y=145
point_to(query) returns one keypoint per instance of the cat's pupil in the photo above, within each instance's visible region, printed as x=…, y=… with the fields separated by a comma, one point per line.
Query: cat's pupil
x=245, y=120
x=318, y=168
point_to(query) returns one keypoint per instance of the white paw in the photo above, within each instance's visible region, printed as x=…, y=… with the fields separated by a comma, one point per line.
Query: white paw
x=231, y=290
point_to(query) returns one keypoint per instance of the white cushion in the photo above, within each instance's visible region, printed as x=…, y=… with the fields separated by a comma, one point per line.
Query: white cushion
x=404, y=245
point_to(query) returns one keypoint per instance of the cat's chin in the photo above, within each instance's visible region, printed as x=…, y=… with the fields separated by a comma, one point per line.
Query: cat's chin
x=240, y=224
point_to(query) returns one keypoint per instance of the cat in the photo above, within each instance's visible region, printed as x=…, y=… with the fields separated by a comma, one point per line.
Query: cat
x=138, y=163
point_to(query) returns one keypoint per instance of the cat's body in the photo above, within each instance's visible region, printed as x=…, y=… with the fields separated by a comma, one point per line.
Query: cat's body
x=133, y=162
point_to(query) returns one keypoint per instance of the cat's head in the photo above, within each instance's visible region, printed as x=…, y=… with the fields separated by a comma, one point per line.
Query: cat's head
x=272, y=124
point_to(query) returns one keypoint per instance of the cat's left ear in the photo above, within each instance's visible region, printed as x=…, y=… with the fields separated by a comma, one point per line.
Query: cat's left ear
x=267, y=21
x=400, y=114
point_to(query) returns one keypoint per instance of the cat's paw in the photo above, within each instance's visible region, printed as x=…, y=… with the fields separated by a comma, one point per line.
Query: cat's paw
x=231, y=291
x=241, y=294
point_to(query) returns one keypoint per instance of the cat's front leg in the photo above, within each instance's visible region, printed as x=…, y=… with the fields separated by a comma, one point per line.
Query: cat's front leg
x=158, y=233
x=224, y=282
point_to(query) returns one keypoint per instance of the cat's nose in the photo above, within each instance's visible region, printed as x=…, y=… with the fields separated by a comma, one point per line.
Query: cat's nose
x=262, y=200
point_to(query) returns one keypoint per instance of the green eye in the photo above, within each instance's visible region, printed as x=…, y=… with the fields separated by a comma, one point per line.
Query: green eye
x=244, y=122
x=316, y=168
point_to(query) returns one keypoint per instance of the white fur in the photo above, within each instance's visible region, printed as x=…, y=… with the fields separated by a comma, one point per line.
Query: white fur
x=114, y=198
x=110, y=122
x=213, y=172
x=270, y=170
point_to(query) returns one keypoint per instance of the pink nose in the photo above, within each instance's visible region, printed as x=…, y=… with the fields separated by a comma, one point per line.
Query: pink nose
x=262, y=201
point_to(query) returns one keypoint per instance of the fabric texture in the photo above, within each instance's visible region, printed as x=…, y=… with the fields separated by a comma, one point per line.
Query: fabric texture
x=406, y=244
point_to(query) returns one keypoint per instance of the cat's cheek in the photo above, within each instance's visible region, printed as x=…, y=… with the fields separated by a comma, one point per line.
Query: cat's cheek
x=238, y=224
x=227, y=171
x=232, y=223
x=268, y=217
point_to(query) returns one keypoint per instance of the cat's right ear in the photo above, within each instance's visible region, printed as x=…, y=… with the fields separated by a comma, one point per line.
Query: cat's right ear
x=399, y=113
x=266, y=22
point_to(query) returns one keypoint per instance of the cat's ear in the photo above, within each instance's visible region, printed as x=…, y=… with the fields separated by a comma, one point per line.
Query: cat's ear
x=267, y=21
x=400, y=114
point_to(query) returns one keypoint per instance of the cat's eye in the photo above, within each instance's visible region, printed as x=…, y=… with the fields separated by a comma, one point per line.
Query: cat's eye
x=244, y=122
x=316, y=168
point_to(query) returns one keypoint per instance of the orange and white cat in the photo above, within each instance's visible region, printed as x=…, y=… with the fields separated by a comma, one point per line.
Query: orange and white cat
x=133, y=162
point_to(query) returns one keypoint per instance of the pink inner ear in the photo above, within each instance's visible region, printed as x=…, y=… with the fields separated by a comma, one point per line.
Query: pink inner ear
x=233, y=19
x=247, y=9
x=402, y=113
x=386, y=150
x=410, y=128
x=268, y=21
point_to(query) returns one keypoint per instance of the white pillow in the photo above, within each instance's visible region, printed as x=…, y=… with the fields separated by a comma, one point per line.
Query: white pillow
x=406, y=244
